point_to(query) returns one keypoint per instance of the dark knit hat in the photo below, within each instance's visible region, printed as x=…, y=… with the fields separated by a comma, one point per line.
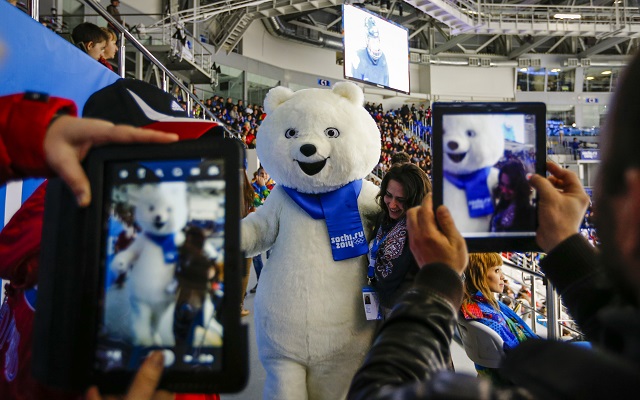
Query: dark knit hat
x=135, y=102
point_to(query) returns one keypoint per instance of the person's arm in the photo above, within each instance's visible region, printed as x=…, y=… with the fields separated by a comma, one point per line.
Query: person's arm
x=413, y=343
x=572, y=264
x=24, y=119
x=69, y=139
x=574, y=267
x=40, y=136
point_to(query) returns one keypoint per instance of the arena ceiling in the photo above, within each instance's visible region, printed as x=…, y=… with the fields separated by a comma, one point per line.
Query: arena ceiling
x=468, y=29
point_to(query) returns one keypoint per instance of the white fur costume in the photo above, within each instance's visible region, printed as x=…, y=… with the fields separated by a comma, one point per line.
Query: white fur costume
x=159, y=210
x=310, y=323
x=470, y=143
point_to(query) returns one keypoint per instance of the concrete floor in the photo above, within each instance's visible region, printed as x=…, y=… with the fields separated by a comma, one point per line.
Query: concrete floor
x=257, y=374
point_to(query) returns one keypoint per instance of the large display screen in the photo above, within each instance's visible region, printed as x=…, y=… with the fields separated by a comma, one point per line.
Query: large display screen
x=376, y=50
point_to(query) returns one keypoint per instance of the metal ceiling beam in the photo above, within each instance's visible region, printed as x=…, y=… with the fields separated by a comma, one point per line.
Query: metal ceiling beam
x=602, y=46
x=453, y=42
x=485, y=44
x=558, y=43
x=335, y=21
x=527, y=48
x=419, y=30
x=630, y=46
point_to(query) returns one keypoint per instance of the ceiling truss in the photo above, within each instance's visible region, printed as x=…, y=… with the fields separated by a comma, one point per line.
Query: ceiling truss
x=506, y=29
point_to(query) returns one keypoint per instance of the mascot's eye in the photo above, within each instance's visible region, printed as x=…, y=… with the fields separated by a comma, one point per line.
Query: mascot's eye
x=471, y=133
x=291, y=132
x=332, y=132
x=151, y=208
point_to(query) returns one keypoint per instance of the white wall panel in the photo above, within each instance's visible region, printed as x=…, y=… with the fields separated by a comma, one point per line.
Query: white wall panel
x=472, y=83
x=259, y=45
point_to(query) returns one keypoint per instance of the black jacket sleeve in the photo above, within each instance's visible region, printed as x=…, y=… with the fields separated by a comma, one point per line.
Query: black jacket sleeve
x=413, y=343
x=576, y=270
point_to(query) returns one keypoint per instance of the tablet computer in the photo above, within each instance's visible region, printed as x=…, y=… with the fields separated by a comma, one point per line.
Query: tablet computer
x=483, y=153
x=154, y=263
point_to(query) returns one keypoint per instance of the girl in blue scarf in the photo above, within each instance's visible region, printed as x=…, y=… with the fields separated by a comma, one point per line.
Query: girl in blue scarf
x=483, y=279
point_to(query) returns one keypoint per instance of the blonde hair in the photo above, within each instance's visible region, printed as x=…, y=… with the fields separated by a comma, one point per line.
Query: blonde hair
x=110, y=33
x=476, y=276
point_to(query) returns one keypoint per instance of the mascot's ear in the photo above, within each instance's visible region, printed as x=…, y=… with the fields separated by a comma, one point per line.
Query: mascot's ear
x=349, y=91
x=275, y=97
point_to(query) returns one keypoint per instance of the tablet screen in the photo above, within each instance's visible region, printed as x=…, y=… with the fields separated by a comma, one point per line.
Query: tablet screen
x=483, y=153
x=163, y=258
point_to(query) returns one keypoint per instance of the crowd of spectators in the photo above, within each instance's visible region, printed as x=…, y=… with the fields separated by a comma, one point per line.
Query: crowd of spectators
x=243, y=120
x=397, y=136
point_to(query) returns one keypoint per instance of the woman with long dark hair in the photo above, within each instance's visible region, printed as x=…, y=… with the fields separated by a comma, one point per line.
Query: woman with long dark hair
x=404, y=186
x=513, y=212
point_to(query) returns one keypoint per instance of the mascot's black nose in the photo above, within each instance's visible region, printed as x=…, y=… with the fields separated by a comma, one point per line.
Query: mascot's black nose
x=452, y=145
x=308, y=149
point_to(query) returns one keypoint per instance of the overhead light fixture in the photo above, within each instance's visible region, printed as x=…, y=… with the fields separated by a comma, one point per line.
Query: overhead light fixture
x=567, y=16
x=523, y=69
x=605, y=73
x=590, y=78
x=556, y=70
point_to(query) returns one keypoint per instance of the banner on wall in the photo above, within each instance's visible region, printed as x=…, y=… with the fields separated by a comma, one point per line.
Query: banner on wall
x=36, y=59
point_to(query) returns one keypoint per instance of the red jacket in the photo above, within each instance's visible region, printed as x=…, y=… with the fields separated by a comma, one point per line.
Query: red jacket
x=24, y=119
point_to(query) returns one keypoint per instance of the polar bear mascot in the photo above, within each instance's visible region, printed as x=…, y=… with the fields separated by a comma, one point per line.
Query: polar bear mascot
x=150, y=261
x=472, y=145
x=312, y=334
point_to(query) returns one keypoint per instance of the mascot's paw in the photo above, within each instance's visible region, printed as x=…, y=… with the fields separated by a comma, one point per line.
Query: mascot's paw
x=179, y=238
x=119, y=265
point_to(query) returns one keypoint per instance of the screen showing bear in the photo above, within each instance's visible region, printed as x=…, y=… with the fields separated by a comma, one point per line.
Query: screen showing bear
x=163, y=259
x=485, y=162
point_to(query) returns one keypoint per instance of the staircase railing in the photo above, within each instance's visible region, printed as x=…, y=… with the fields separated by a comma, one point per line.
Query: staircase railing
x=123, y=34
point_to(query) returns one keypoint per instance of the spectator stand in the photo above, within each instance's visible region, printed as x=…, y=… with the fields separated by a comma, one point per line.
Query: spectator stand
x=398, y=133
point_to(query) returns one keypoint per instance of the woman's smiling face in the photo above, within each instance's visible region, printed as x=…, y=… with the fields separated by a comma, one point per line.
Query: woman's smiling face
x=395, y=199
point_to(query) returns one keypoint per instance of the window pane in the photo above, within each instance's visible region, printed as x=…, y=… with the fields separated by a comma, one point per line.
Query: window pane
x=230, y=83
x=531, y=79
x=561, y=80
x=258, y=87
x=600, y=79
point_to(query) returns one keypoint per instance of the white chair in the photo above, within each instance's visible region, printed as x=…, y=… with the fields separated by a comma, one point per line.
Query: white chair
x=482, y=344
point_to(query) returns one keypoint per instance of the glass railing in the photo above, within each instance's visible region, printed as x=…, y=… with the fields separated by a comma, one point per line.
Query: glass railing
x=544, y=312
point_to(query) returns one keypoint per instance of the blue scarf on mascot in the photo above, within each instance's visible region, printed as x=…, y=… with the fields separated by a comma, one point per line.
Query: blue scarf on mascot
x=340, y=211
x=475, y=187
x=167, y=243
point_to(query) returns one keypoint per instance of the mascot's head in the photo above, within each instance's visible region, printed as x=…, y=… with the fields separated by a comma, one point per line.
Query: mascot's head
x=471, y=142
x=161, y=209
x=317, y=140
